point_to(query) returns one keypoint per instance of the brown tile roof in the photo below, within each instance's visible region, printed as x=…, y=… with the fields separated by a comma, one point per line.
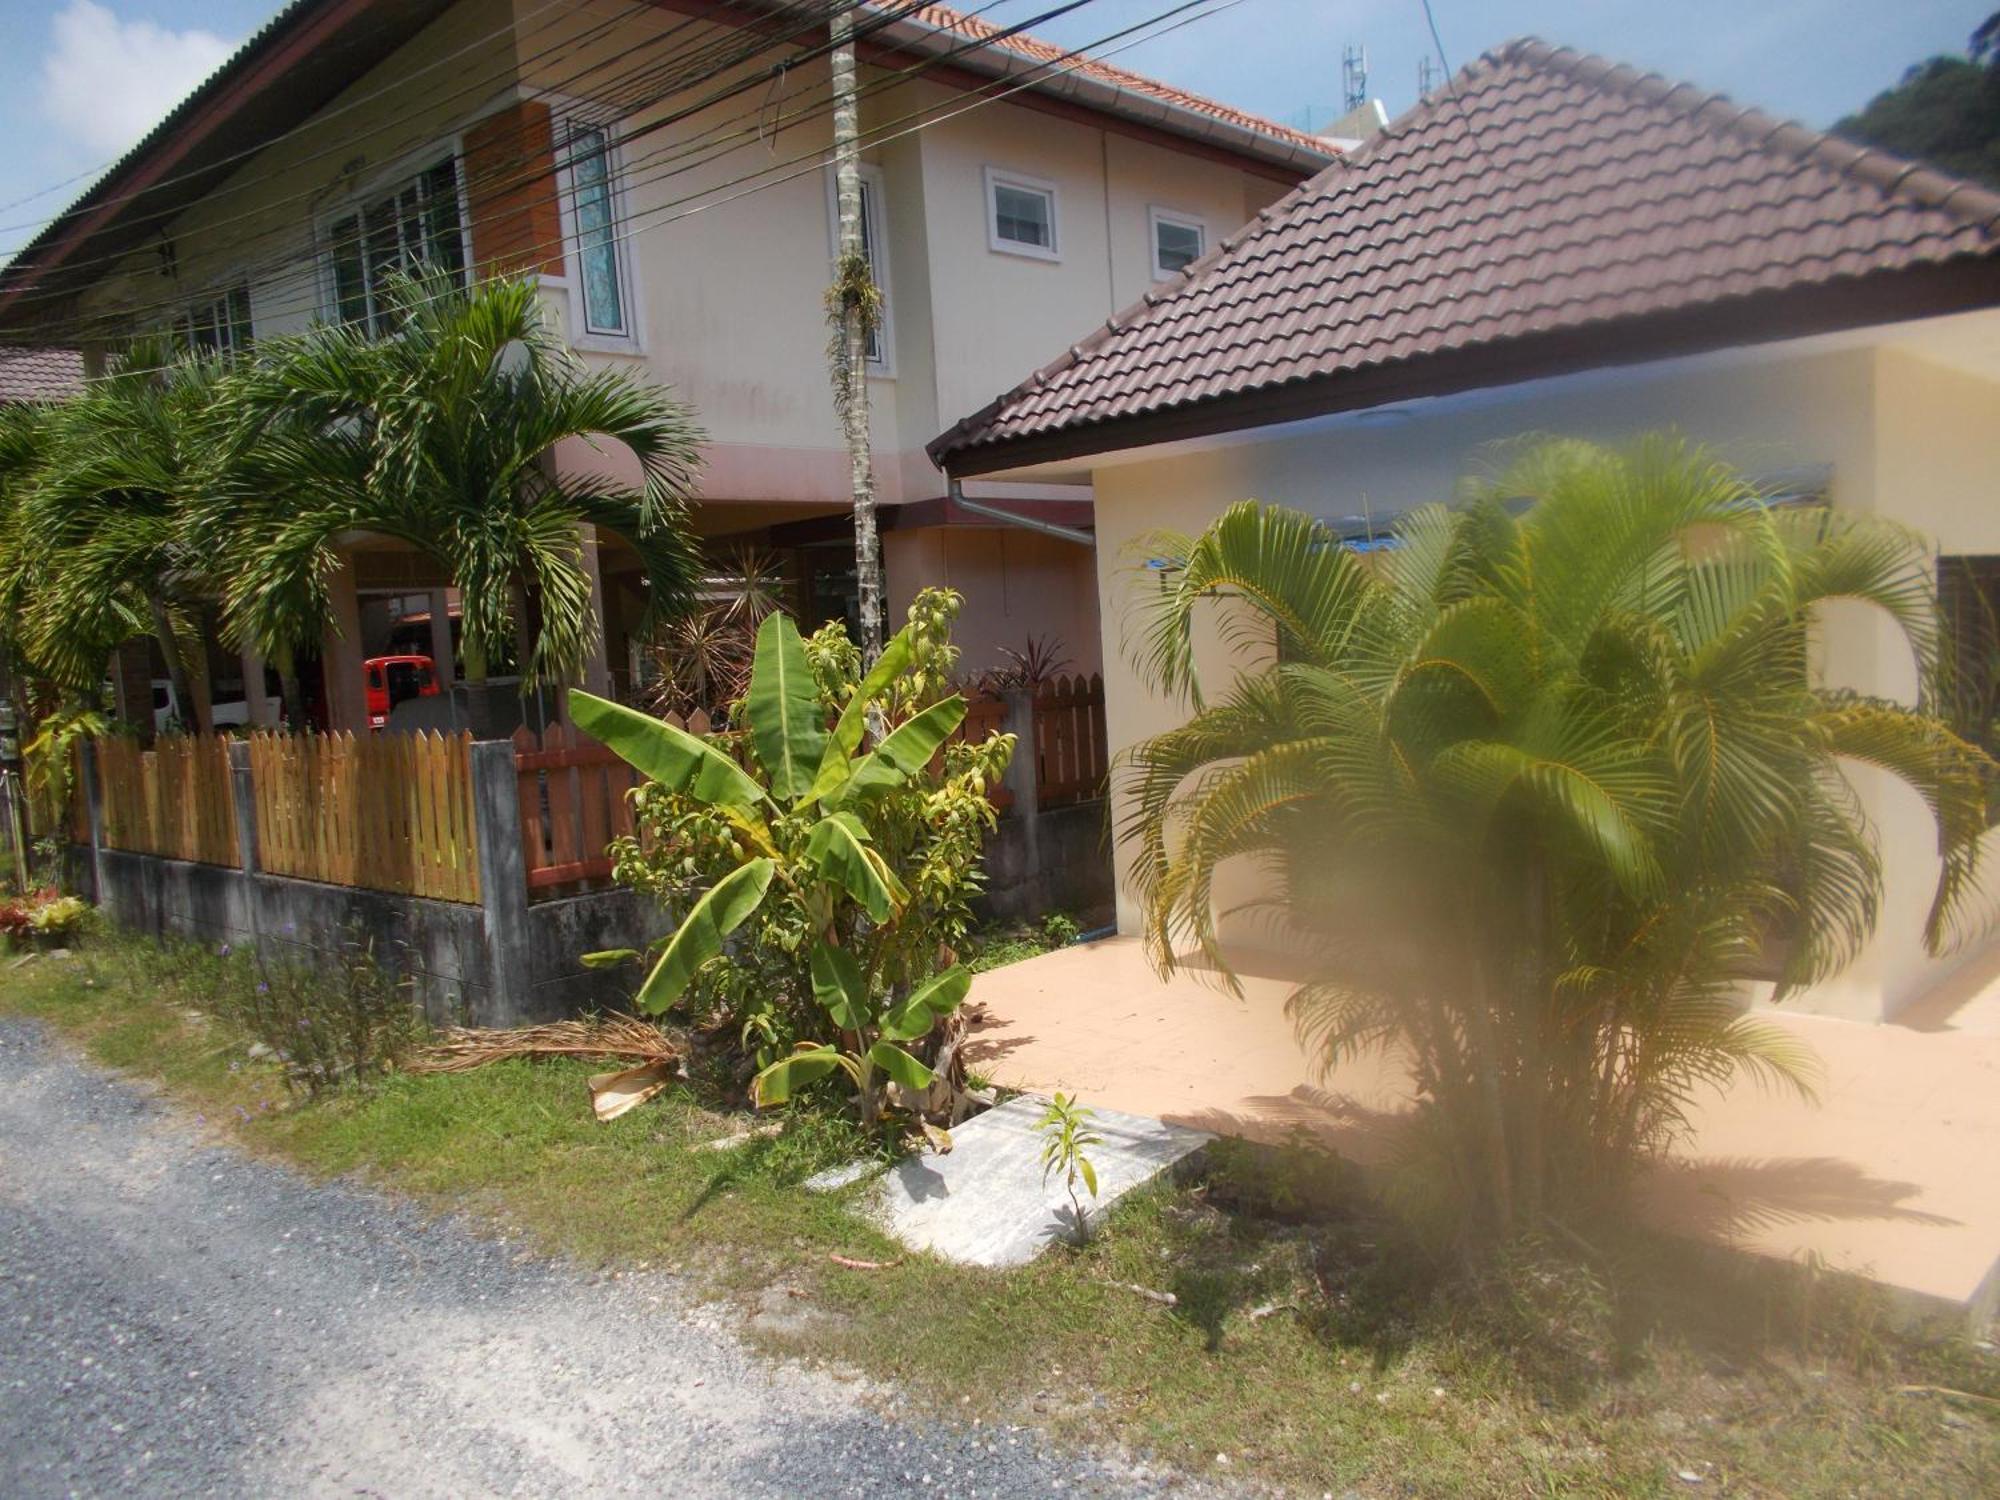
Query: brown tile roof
x=1550, y=210
x=1036, y=50
x=39, y=375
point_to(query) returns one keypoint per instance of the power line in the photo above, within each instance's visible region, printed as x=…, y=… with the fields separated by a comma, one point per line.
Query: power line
x=803, y=164
x=809, y=163
x=318, y=120
x=720, y=55
x=309, y=262
x=505, y=76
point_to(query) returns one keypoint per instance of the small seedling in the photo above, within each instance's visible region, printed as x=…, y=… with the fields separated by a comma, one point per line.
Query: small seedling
x=1066, y=1136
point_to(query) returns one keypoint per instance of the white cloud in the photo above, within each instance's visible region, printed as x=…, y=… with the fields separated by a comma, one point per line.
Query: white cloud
x=107, y=82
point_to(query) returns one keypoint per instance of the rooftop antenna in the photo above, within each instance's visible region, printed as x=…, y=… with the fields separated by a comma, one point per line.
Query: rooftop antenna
x=1354, y=75
x=1427, y=77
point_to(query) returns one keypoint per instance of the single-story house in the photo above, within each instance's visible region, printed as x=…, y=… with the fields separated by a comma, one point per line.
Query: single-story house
x=1554, y=243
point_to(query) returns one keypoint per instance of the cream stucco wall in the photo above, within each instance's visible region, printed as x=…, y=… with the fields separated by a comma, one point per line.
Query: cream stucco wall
x=1016, y=584
x=731, y=283
x=1904, y=437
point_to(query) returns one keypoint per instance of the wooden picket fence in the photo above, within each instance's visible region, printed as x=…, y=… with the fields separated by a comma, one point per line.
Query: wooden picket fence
x=390, y=812
x=573, y=804
x=1069, y=739
x=172, y=801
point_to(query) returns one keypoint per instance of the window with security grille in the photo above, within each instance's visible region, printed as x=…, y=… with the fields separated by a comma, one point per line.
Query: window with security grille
x=415, y=225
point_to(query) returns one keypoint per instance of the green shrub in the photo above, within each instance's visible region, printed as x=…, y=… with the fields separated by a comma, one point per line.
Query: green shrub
x=335, y=1019
x=823, y=884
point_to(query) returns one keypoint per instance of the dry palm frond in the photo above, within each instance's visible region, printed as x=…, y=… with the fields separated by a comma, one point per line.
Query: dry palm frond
x=612, y=1037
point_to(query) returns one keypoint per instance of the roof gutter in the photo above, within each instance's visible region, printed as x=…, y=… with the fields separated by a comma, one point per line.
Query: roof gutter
x=1027, y=523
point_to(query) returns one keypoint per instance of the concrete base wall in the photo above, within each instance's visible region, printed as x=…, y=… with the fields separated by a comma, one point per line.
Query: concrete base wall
x=440, y=946
x=1068, y=869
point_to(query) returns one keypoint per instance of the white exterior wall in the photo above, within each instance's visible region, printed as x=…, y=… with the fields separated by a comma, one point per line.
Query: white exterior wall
x=1905, y=438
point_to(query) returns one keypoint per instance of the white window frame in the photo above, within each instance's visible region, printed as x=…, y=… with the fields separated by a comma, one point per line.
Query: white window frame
x=999, y=177
x=1156, y=215
x=206, y=299
x=581, y=334
x=875, y=204
x=390, y=178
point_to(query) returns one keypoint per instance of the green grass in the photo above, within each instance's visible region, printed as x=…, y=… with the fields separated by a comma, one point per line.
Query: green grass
x=1365, y=1369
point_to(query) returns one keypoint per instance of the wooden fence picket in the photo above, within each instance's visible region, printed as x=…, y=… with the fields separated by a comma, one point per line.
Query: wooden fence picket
x=391, y=812
x=173, y=801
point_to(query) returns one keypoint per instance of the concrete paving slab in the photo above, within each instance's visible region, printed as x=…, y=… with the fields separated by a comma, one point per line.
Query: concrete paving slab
x=985, y=1204
x=1891, y=1176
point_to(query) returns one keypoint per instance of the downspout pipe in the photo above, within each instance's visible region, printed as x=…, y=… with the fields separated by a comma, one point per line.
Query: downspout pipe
x=1028, y=523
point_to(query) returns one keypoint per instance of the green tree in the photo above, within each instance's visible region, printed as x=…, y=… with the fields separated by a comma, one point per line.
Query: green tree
x=1945, y=111
x=442, y=434
x=1537, y=789
x=102, y=536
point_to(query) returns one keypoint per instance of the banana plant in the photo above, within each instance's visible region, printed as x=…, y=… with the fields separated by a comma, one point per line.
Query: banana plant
x=799, y=811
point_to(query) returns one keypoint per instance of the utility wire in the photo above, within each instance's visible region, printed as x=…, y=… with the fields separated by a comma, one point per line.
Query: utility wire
x=715, y=58
x=508, y=69
x=307, y=262
x=717, y=195
x=814, y=161
x=499, y=84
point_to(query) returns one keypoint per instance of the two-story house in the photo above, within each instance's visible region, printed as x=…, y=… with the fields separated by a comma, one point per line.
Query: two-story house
x=663, y=167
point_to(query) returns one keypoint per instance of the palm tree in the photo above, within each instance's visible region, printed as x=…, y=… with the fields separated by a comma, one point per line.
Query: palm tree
x=1537, y=787
x=441, y=434
x=103, y=551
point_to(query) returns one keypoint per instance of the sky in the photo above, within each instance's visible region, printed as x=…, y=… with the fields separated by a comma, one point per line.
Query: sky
x=81, y=80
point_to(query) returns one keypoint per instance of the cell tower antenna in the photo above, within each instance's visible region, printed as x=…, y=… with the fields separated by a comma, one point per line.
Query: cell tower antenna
x=1427, y=77
x=1354, y=75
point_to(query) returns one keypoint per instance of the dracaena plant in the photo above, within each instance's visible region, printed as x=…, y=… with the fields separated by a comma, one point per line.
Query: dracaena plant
x=843, y=855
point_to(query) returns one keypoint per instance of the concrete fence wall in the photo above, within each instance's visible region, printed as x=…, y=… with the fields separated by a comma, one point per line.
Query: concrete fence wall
x=502, y=962
x=509, y=961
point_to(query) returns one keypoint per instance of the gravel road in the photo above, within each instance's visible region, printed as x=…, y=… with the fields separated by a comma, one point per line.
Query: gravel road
x=178, y=1319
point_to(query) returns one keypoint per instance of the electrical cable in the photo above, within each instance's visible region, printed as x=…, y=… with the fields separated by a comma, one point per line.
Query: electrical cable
x=805, y=163
x=719, y=57
x=309, y=257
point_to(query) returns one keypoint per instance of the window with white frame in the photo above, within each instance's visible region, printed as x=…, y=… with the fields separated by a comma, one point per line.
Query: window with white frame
x=416, y=223
x=1021, y=215
x=217, y=325
x=1179, y=240
x=600, y=274
x=875, y=248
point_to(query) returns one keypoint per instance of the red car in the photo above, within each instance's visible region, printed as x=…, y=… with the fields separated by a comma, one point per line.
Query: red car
x=391, y=679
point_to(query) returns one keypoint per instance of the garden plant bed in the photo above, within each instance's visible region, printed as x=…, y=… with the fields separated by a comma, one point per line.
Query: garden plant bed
x=1306, y=1344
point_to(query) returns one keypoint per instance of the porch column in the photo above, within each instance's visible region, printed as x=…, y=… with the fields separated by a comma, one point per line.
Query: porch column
x=441, y=657
x=340, y=652
x=263, y=709
x=597, y=660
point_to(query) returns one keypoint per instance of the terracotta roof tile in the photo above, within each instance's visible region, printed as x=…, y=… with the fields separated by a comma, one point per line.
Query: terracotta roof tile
x=39, y=375
x=1036, y=50
x=1544, y=192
